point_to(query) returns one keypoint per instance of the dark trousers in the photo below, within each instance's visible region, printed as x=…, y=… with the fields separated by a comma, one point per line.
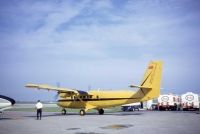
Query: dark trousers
x=39, y=114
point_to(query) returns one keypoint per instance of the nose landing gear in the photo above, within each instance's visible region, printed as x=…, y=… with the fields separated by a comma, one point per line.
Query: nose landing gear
x=82, y=112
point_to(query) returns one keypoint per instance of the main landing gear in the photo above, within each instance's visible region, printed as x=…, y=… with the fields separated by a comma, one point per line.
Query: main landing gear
x=101, y=111
x=82, y=112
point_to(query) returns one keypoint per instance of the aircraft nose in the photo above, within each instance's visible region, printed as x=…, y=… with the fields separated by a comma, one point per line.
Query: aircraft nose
x=12, y=101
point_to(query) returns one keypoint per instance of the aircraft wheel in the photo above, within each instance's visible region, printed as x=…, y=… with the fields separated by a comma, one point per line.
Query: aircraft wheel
x=101, y=111
x=64, y=112
x=82, y=112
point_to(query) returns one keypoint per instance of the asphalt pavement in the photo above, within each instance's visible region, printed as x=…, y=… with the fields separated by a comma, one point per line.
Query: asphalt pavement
x=138, y=122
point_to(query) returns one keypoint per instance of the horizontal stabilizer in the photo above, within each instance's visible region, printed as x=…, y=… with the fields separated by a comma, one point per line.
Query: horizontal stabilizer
x=141, y=87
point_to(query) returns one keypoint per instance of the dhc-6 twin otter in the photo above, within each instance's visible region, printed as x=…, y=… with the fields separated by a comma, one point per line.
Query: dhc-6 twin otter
x=94, y=99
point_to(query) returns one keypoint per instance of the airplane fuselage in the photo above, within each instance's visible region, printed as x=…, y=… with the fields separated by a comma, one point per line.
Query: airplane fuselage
x=72, y=98
x=5, y=102
x=100, y=99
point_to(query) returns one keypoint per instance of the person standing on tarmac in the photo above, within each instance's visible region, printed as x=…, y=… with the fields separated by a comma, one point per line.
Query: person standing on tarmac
x=39, y=107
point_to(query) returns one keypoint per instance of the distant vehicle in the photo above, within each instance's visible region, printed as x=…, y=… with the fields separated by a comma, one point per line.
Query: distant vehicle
x=131, y=107
x=190, y=101
x=5, y=103
x=169, y=102
x=152, y=104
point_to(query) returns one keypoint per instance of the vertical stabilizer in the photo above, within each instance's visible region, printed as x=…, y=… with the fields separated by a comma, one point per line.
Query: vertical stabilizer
x=150, y=85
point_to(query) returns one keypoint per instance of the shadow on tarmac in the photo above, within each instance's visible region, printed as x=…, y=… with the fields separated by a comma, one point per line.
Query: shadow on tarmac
x=87, y=114
x=6, y=119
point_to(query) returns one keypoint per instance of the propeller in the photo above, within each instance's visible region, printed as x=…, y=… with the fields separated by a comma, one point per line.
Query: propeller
x=57, y=94
x=89, y=87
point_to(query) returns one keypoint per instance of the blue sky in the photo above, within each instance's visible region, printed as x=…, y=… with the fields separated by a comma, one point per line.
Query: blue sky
x=102, y=44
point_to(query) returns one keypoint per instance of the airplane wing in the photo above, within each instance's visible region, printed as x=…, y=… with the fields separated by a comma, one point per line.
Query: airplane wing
x=58, y=89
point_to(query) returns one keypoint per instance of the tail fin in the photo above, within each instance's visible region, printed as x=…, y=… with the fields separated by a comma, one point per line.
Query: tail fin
x=150, y=85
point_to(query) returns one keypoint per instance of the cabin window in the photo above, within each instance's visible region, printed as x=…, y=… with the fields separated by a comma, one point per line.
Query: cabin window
x=86, y=97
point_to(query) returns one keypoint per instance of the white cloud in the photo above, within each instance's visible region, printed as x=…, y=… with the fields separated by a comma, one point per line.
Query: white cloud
x=96, y=42
x=134, y=30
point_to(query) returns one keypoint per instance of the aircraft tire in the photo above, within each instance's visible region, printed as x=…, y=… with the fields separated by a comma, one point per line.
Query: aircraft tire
x=101, y=111
x=64, y=112
x=82, y=112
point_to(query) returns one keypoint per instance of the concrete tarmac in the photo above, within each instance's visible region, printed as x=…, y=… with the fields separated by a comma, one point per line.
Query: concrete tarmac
x=138, y=122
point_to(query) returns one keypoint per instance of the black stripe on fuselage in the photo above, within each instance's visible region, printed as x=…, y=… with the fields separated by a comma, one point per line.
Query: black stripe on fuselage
x=100, y=99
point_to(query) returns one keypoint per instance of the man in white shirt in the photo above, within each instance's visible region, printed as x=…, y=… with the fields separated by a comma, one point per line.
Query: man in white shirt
x=39, y=107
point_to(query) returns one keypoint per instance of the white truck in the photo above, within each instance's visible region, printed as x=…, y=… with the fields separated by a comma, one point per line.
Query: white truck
x=169, y=102
x=190, y=101
x=152, y=104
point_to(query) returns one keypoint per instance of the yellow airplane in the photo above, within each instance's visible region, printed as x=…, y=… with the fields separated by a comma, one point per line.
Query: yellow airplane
x=72, y=98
